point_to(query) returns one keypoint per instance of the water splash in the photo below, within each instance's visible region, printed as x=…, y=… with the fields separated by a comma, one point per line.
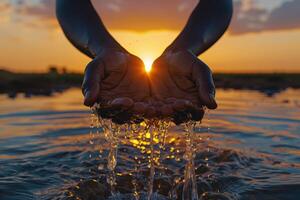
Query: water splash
x=93, y=120
x=208, y=137
x=151, y=161
x=111, y=132
x=190, y=185
x=149, y=137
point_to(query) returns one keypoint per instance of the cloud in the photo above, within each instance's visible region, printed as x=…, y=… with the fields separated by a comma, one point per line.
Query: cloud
x=247, y=17
x=117, y=14
x=41, y=14
x=4, y=6
x=145, y=15
x=285, y=17
x=257, y=19
x=250, y=16
x=5, y=10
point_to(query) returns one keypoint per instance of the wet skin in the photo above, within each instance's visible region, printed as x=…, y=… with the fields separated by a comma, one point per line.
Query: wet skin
x=117, y=80
x=185, y=83
x=177, y=88
x=179, y=85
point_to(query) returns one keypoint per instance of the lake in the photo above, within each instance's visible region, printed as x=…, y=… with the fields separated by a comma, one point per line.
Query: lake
x=249, y=148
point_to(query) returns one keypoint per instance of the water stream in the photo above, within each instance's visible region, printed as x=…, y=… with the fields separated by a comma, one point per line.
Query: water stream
x=190, y=191
x=149, y=137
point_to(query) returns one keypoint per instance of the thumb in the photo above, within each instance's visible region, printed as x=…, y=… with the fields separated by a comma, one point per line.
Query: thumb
x=93, y=75
x=204, y=81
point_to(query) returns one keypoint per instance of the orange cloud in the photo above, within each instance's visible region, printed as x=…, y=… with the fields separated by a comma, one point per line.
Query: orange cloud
x=4, y=6
x=146, y=15
x=5, y=9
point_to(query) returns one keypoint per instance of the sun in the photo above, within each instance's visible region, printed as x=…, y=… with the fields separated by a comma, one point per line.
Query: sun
x=148, y=64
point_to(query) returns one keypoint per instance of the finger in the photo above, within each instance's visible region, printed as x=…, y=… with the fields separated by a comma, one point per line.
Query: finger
x=123, y=103
x=151, y=112
x=108, y=112
x=181, y=110
x=123, y=107
x=94, y=73
x=181, y=105
x=181, y=117
x=139, y=108
x=204, y=81
x=189, y=110
x=167, y=111
x=170, y=100
x=157, y=103
x=112, y=109
x=197, y=113
x=122, y=117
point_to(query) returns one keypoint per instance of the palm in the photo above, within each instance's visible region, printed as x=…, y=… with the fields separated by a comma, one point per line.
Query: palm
x=172, y=81
x=184, y=81
x=116, y=80
x=124, y=77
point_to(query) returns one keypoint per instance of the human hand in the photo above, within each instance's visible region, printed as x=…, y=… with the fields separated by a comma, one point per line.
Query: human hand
x=117, y=80
x=185, y=85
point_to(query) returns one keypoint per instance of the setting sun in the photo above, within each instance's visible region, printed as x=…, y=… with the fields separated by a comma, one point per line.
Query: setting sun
x=148, y=64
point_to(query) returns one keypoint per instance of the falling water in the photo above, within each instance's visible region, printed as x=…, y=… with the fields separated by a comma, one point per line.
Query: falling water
x=151, y=161
x=190, y=185
x=149, y=137
x=111, y=132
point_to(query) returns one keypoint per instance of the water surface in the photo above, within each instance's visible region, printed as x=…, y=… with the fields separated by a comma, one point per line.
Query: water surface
x=253, y=142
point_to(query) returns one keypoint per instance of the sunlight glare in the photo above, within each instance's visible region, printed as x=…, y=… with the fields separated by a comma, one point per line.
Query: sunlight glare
x=148, y=64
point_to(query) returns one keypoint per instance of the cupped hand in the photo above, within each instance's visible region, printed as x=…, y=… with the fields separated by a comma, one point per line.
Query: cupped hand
x=185, y=85
x=117, y=80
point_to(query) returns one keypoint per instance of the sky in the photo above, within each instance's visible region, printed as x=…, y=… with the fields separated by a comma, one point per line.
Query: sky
x=264, y=35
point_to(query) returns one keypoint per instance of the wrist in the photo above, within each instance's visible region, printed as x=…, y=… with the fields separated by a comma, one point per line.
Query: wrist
x=109, y=48
x=181, y=57
x=174, y=50
x=114, y=58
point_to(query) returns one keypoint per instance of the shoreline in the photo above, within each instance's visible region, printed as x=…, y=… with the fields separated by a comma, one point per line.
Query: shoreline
x=46, y=84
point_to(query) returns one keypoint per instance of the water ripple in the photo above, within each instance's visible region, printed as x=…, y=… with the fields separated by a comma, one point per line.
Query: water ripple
x=254, y=151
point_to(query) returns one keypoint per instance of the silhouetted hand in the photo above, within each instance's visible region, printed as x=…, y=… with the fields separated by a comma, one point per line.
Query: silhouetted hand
x=117, y=80
x=184, y=84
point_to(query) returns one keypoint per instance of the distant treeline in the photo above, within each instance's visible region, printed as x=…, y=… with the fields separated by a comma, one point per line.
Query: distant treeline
x=58, y=80
x=38, y=83
x=258, y=81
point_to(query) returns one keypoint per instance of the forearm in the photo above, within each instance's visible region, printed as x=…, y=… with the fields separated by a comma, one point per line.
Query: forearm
x=208, y=22
x=83, y=27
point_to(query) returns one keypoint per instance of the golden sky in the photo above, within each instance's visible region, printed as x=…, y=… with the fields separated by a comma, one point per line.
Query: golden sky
x=263, y=36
